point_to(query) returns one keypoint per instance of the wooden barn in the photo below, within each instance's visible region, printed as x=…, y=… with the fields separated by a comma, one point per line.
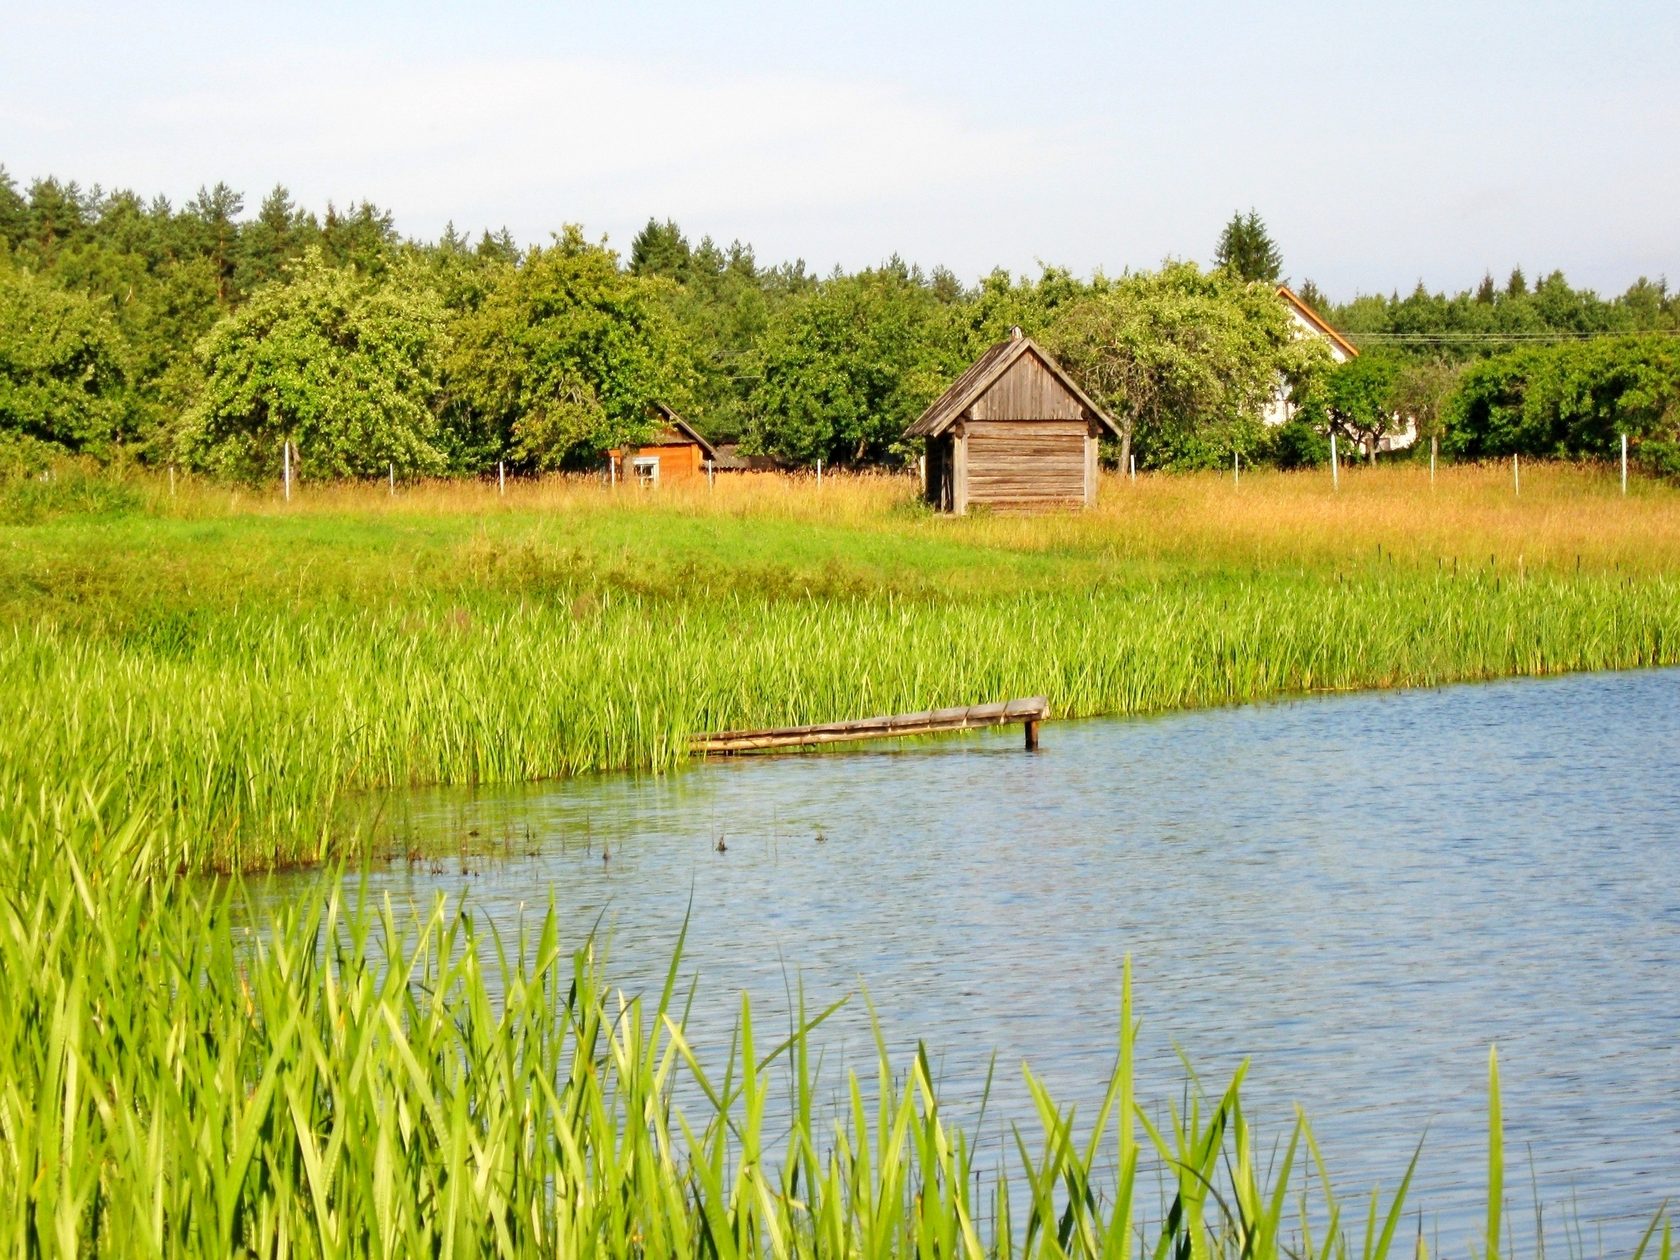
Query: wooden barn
x=1014, y=433
x=676, y=453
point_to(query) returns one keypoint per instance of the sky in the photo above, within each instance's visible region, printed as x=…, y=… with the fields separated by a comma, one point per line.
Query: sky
x=1382, y=144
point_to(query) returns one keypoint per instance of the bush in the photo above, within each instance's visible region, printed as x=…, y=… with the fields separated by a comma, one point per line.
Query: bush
x=1575, y=399
x=1298, y=444
x=66, y=488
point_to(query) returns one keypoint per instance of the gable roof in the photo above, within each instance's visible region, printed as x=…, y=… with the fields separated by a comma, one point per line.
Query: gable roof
x=686, y=429
x=1317, y=321
x=985, y=372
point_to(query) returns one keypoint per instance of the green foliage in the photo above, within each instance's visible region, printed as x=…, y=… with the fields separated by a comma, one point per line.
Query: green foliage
x=1470, y=324
x=660, y=249
x=61, y=374
x=557, y=354
x=1420, y=393
x=1575, y=399
x=1002, y=303
x=1299, y=443
x=564, y=357
x=345, y=366
x=14, y=211
x=843, y=370
x=1247, y=250
x=1357, y=400
x=723, y=308
x=1185, y=360
x=280, y=233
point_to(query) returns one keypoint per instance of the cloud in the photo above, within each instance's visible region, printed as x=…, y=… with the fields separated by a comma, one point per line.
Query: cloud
x=538, y=141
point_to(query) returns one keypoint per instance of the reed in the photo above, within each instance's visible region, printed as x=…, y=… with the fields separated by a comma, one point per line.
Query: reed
x=266, y=672
x=179, y=1077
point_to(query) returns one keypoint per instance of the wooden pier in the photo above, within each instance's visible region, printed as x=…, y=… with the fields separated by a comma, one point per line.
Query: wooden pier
x=1029, y=713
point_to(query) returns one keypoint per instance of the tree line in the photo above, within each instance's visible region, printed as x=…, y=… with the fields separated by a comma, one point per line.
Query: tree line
x=132, y=329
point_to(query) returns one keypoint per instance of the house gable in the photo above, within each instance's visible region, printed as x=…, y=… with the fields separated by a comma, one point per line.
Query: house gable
x=1027, y=390
x=1023, y=377
x=1310, y=321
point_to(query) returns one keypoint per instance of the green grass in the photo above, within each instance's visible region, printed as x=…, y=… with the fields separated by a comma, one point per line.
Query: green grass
x=178, y=1077
x=268, y=673
x=210, y=682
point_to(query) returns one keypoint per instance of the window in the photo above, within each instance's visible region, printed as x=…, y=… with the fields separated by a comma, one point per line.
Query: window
x=645, y=469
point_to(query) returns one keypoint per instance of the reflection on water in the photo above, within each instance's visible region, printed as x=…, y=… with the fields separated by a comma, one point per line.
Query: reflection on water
x=1360, y=893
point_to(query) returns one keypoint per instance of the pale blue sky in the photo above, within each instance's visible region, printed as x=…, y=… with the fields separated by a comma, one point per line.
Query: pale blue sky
x=1381, y=143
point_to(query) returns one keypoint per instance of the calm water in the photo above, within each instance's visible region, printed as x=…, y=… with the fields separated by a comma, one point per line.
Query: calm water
x=1361, y=893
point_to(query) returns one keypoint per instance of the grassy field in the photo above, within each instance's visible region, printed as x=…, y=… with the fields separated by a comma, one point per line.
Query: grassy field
x=211, y=680
x=266, y=670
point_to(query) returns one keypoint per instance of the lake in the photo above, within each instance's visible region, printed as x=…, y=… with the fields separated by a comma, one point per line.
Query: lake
x=1360, y=893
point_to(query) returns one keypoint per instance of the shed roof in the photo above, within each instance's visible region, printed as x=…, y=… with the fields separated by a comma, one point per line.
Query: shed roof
x=1317, y=321
x=686, y=429
x=985, y=372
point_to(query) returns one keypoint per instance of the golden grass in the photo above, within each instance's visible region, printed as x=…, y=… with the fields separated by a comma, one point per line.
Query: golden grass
x=1566, y=515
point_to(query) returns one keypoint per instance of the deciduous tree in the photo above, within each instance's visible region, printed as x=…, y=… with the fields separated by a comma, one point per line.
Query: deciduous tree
x=1185, y=360
x=842, y=370
x=564, y=357
x=61, y=377
x=344, y=364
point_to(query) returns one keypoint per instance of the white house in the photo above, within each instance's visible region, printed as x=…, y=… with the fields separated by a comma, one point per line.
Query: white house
x=1309, y=323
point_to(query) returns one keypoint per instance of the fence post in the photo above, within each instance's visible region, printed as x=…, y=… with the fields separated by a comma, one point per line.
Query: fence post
x=1433, y=442
x=501, y=476
x=711, y=475
x=1516, y=476
x=1335, y=466
x=1624, y=464
x=286, y=468
x=393, y=468
x=1134, y=467
x=1236, y=469
x=172, y=481
x=819, y=474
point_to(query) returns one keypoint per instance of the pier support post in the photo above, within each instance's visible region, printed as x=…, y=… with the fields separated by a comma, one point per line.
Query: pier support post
x=1031, y=728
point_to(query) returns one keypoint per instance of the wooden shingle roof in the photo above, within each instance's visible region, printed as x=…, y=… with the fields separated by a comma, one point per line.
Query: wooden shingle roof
x=985, y=372
x=686, y=429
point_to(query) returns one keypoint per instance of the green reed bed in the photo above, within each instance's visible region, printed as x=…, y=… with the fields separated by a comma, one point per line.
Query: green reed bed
x=342, y=1080
x=260, y=728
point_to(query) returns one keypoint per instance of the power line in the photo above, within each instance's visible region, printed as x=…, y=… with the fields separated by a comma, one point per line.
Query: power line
x=1489, y=337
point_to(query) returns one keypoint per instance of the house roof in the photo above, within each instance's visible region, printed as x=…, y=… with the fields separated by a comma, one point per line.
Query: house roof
x=1317, y=321
x=686, y=429
x=983, y=373
x=730, y=459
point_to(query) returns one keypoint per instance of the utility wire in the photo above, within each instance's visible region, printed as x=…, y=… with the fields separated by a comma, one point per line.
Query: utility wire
x=1425, y=338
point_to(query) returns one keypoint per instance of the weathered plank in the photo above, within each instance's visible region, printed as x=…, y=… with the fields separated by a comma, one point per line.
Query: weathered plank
x=1015, y=465
x=1029, y=712
x=1028, y=391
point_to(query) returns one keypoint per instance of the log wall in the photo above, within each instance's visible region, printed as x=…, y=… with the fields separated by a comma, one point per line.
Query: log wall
x=1023, y=465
